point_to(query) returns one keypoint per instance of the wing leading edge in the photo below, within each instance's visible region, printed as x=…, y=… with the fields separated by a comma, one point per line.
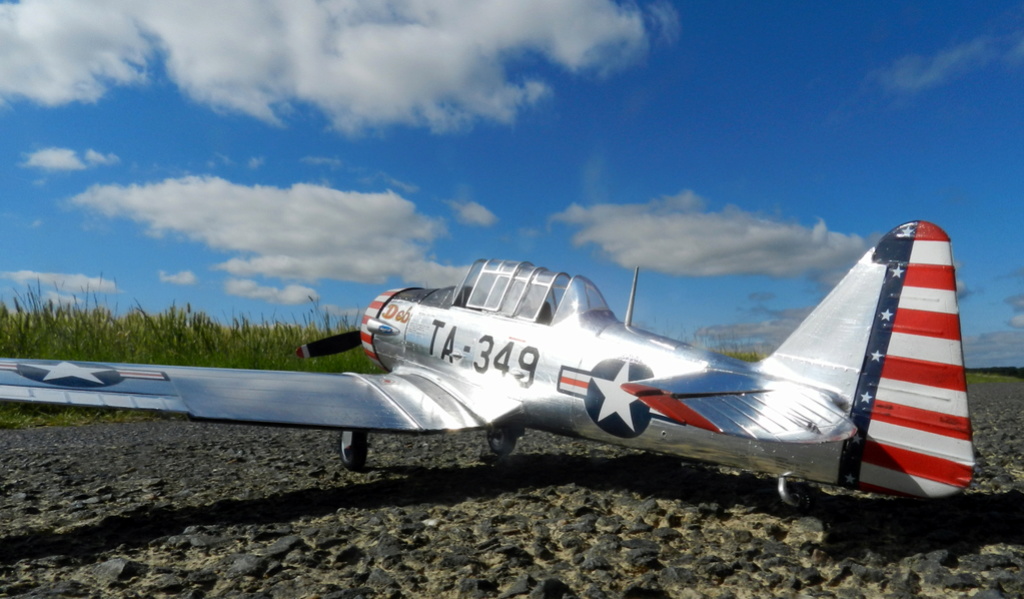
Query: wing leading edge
x=388, y=402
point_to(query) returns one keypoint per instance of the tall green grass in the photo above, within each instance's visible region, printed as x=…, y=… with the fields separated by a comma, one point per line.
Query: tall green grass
x=32, y=327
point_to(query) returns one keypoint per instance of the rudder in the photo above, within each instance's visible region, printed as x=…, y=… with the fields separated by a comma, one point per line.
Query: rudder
x=911, y=407
x=887, y=339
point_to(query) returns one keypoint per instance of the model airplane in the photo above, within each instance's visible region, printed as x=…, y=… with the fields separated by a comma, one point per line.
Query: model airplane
x=868, y=393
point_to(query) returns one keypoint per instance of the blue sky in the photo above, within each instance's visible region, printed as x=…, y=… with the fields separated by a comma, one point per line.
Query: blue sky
x=241, y=157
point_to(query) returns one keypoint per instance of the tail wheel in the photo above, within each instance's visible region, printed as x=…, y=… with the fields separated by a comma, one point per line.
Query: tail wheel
x=502, y=439
x=797, y=495
x=352, y=447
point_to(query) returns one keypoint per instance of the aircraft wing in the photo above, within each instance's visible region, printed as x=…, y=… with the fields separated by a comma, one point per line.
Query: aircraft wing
x=748, y=406
x=387, y=402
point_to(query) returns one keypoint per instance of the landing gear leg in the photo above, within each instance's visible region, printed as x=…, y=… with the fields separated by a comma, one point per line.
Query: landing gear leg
x=502, y=439
x=352, y=447
x=795, y=494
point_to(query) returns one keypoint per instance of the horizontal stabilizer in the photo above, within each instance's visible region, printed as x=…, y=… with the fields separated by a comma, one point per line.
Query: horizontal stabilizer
x=770, y=411
x=709, y=382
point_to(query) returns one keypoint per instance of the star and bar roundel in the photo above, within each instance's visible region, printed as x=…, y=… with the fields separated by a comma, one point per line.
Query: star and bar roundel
x=613, y=410
x=79, y=374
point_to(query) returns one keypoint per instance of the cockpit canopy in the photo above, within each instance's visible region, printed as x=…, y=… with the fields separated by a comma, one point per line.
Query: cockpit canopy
x=527, y=292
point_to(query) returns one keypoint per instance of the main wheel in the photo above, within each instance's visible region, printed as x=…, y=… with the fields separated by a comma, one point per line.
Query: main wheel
x=352, y=447
x=502, y=439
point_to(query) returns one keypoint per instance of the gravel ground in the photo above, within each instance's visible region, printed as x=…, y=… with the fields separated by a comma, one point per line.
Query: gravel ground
x=178, y=509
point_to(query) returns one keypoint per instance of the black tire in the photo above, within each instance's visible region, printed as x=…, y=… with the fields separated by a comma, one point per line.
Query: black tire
x=502, y=439
x=353, y=447
x=804, y=496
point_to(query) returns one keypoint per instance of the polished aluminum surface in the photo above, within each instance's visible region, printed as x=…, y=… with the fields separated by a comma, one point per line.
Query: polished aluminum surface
x=382, y=402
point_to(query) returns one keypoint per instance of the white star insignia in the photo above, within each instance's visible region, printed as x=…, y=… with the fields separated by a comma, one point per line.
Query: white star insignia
x=898, y=271
x=865, y=398
x=906, y=231
x=616, y=401
x=66, y=370
x=856, y=440
x=850, y=479
x=887, y=315
x=876, y=356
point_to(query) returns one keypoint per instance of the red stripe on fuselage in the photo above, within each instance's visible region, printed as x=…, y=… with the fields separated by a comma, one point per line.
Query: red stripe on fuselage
x=679, y=411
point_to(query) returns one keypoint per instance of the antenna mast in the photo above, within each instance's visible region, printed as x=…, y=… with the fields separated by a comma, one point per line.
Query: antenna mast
x=632, y=298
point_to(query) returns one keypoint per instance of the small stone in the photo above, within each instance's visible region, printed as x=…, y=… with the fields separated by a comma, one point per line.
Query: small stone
x=168, y=583
x=379, y=578
x=246, y=565
x=521, y=586
x=960, y=582
x=550, y=588
x=118, y=569
x=676, y=577
x=476, y=587
x=595, y=562
x=990, y=594
x=283, y=545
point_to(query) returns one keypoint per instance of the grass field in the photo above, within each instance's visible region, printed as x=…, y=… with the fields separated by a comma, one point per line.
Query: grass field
x=88, y=332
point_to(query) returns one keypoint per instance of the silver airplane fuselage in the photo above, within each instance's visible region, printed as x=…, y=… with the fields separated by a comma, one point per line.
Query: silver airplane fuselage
x=567, y=377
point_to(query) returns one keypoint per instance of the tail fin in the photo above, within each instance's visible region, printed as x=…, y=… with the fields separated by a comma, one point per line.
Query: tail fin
x=887, y=339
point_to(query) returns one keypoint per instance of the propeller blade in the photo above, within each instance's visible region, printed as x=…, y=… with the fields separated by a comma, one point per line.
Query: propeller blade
x=330, y=345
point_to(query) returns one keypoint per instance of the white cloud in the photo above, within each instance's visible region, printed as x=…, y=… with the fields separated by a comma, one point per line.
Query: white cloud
x=761, y=337
x=305, y=232
x=94, y=157
x=185, y=277
x=473, y=214
x=1017, y=303
x=1001, y=348
x=290, y=295
x=349, y=315
x=64, y=159
x=676, y=236
x=54, y=159
x=1016, y=54
x=60, y=51
x=67, y=283
x=914, y=73
x=379, y=178
x=63, y=299
x=440, y=64
x=332, y=163
x=365, y=176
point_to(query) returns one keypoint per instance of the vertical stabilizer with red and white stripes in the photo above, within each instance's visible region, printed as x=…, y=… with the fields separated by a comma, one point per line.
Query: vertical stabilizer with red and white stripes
x=911, y=401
